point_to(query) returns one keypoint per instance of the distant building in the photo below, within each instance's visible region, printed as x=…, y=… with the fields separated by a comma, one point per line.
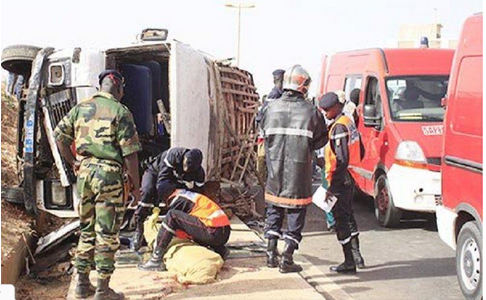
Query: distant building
x=410, y=35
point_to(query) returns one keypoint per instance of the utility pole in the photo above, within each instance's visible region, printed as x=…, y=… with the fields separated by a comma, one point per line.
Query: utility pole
x=239, y=5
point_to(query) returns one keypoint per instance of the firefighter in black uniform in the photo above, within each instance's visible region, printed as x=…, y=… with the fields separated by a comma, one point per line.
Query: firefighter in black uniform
x=176, y=168
x=344, y=149
x=293, y=128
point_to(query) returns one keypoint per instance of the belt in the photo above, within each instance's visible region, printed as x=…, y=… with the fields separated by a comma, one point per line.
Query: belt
x=85, y=161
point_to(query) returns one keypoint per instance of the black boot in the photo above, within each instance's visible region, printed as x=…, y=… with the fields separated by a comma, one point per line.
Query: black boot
x=155, y=263
x=358, y=259
x=222, y=251
x=103, y=291
x=348, y=266
x=84, y=288
x=287, y=264
x=272, y=253
x=140, y=216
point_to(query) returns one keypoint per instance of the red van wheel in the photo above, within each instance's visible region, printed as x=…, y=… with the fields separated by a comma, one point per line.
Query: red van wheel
x=468, y=260
x=385, y=211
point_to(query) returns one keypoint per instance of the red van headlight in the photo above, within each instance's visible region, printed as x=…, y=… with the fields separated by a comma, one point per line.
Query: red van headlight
x=410, y=154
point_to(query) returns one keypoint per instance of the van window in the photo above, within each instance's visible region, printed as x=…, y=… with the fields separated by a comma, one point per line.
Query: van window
x=373, y=95
x=417, y=98
x=352, y=82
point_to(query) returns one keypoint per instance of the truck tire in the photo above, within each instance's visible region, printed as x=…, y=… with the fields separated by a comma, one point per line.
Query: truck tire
x=18, y=58
x=13, y=195
x=385, y=211
x=469, y=257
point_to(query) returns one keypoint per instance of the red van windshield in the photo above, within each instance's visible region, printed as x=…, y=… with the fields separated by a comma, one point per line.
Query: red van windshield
x=417, y=98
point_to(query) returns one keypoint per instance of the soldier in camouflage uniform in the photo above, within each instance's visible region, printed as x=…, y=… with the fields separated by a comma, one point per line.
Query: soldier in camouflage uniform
x=106, y=141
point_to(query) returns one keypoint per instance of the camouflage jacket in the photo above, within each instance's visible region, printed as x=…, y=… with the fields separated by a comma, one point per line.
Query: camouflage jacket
x=101, y=127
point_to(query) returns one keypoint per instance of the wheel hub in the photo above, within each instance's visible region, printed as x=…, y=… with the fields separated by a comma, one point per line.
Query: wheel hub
x=470, y=264
x=383, y=200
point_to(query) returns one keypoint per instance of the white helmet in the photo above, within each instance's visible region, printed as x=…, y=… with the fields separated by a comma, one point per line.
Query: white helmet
x=297, y=79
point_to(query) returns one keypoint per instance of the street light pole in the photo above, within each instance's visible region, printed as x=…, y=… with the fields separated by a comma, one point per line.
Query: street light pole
x=239, y=6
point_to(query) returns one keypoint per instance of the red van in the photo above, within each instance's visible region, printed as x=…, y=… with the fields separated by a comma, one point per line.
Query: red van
x=401, y=126
x=460, y=211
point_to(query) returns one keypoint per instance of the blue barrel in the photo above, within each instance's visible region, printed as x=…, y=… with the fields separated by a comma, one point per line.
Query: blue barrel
x=156, y=83
x=139, y=95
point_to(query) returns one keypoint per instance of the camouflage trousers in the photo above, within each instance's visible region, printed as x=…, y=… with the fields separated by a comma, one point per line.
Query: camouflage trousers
x=101, y=210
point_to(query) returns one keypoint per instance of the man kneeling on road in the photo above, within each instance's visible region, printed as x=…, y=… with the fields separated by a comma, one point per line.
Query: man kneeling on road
x=176, y=168
x=343, y=149
x=193, y=216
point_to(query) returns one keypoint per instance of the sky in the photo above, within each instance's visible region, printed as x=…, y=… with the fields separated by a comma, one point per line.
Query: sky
x=274, y=34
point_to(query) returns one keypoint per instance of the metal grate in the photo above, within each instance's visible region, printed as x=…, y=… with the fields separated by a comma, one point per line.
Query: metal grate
x=58, y=105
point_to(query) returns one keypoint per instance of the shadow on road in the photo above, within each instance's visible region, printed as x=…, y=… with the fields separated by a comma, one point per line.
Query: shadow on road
x=411, y=269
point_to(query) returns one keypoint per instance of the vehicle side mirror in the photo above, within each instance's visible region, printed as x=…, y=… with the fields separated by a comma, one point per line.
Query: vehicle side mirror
x=370, y=117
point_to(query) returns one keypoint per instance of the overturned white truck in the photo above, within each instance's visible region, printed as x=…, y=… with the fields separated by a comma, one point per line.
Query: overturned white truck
x=179, y=96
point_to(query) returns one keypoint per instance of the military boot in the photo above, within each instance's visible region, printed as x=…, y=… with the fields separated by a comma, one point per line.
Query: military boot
x=103, y=291
x=358, y=259
x=155, y=263
x=222, y=251
x=84, y=288
x=348, y=266
x=141, y=215
x=287, y=264
x=137, y=238
x=272, y=253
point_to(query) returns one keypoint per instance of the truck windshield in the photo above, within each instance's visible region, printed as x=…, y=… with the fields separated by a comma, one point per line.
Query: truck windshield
x=417, y=98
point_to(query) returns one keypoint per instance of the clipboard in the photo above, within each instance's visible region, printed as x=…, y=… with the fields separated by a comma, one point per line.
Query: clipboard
x=319, y=199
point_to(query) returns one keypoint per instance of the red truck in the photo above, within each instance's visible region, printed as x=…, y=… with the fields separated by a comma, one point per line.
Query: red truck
x=401, y=126
x=460, y=211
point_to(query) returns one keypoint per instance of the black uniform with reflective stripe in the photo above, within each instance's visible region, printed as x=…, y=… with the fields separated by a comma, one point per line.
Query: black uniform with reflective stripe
x=168, y=167
x=293, y=129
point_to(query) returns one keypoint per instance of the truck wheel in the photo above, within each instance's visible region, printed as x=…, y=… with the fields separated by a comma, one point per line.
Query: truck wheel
x=469, y=254
x=18, y=58
x=13, y=195
x=385, y=211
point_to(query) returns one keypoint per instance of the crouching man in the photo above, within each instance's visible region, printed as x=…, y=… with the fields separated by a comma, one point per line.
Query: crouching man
x=193, y=216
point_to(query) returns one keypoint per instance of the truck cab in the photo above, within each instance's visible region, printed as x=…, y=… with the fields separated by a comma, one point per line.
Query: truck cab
x=401, y=123
x=460, y=210
x=179, y=96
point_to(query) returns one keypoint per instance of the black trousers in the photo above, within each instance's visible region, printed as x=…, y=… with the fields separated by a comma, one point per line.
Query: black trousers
x=295, y=224
x=346, y=226
x=212, y=237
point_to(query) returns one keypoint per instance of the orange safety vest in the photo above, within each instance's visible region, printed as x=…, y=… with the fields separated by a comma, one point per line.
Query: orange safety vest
x=205, y=209
x=353, y=148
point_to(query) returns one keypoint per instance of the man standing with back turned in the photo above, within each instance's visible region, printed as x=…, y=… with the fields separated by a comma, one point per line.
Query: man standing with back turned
x=293, y=128
x=106, y=143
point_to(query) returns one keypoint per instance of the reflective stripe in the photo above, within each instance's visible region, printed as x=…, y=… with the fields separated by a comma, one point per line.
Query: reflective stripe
x=289, y=131
x=353, y=234
x=199, y=184
x=168, y=228
x=288, y=237
x=216, y=214
x=142, y=204
x=274, y=233
x=338, y=136
x=288, y=201
x=345, y=241
x=166, y=161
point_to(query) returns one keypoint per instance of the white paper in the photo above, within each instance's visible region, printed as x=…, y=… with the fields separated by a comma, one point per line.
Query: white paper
x=319, y=198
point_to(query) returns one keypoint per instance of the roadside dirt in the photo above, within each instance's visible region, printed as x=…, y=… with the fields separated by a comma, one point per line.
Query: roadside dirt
x=9, y=134
x=15, y=222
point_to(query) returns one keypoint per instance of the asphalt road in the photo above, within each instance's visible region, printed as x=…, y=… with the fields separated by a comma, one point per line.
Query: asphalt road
x=408, y=262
